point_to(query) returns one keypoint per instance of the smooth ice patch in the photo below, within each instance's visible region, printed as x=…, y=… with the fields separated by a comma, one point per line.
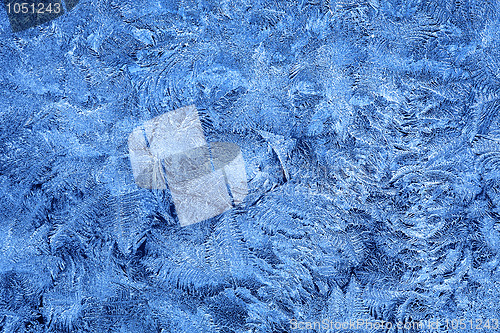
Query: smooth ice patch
x=205, y=180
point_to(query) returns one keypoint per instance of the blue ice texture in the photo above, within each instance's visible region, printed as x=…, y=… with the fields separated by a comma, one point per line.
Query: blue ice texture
x=370, y=131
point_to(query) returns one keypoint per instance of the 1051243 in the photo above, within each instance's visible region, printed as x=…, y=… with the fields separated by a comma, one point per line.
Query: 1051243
x=33, y=8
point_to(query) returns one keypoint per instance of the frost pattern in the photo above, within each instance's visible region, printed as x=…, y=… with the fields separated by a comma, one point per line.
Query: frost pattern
x=371, y=135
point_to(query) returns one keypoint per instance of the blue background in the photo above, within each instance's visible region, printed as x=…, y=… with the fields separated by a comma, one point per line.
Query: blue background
x=380, y=116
